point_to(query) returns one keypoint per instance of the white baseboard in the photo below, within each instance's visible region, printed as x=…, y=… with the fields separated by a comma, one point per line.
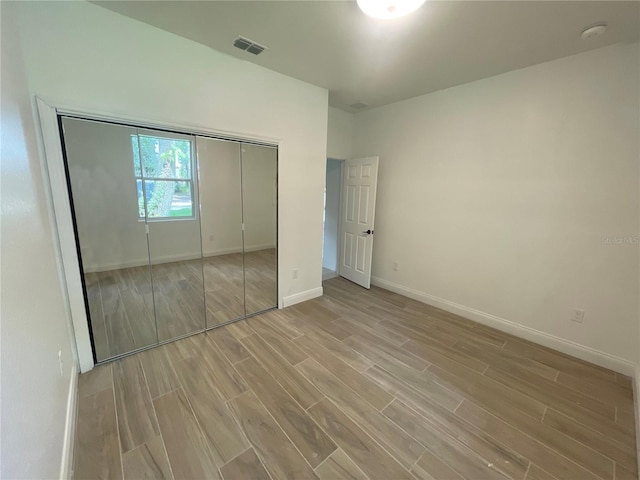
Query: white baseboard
x=301, y=297
x=227, y=251
x=68, y=442
x=568, y=347
x=139, y=262
x=173, y=258
x=221, y=251
x=255, y=248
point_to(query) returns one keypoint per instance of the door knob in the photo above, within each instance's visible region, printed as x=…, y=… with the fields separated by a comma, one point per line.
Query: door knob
x=368, y=232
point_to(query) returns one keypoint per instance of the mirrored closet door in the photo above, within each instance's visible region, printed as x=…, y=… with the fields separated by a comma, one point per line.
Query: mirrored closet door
x=238, y=203
x=259, y=207
x=111, y=235
x=176, y=233
x=221, y=210
x=169, y=193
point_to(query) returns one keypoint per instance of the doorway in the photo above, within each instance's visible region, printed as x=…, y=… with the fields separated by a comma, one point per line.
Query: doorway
x=349, y=213
x=331, y=240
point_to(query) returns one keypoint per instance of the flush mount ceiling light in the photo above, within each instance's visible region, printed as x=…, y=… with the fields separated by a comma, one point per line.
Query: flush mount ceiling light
x=388, y=9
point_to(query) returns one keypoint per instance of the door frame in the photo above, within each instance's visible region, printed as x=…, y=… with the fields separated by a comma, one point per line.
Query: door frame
x=57, y=193
x=339, y=246
x=339, y=229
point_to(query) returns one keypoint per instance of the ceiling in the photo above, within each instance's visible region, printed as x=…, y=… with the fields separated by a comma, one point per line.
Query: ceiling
x=332, y=44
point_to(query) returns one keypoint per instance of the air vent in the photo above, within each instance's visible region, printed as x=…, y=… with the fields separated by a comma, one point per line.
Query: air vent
x=359, y=106
x=241, y=43
x=255, y=49
x=248, y=45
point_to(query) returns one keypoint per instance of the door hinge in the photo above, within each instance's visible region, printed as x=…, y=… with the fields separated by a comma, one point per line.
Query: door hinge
x=146, y=228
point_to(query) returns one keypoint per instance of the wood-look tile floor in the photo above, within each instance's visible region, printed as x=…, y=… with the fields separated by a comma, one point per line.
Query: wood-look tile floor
x=136, y=307
x=357, y=384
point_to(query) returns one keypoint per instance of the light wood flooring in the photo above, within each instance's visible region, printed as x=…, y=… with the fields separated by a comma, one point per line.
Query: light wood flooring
x=353, y=385
x=126, y=315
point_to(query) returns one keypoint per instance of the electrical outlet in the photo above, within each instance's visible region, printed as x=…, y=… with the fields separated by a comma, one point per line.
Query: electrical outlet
x=395, y=266
x=578, y=316
x=294, y=273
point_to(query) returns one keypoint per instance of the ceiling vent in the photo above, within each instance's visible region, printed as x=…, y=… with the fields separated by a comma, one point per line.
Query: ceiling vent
x=359, y=106
x=248, y=45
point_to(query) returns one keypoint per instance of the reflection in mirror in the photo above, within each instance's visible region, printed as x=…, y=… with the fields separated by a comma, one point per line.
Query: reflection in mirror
x=169, y=245
x=221, y=221
x=259, y=206
x=112, y=239
x=167, y=193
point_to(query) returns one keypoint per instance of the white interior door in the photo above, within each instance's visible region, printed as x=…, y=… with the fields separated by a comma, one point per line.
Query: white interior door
x=359, y=181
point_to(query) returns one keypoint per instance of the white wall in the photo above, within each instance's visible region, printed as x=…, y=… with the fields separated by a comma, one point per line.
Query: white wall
x=220, y=196
x=80, y=55
x=339, y=134
x=332, y=215
x=259, y=198
x=494, y=198
x=34, y=319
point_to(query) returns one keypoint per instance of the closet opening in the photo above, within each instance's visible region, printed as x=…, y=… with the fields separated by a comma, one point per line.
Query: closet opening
x=330, y=251
x=176, y=232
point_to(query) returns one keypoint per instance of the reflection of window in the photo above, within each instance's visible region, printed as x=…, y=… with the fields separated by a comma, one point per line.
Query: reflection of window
x=163, y=171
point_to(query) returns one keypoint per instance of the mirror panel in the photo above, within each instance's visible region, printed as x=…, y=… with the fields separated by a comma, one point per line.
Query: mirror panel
x=176, y=233
x=102, y=173
x=169, y=196
x=259, y=208
x=221, y=219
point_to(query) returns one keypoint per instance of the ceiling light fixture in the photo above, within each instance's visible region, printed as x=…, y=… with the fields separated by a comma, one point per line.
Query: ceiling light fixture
x=388, y=9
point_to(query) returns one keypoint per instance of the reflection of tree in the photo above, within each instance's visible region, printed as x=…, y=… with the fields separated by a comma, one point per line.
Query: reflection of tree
x=159, y=205
x=161, y=158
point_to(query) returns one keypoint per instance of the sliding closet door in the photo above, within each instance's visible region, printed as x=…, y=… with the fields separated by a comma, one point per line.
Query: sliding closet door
x=221, y=221
x=102, y=172
x=176, y=233
x=168, y=198
x=259, y=209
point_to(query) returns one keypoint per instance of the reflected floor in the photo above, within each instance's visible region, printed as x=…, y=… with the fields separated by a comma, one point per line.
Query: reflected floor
x=122, y=302
x=226, y=297
x=261, y=280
